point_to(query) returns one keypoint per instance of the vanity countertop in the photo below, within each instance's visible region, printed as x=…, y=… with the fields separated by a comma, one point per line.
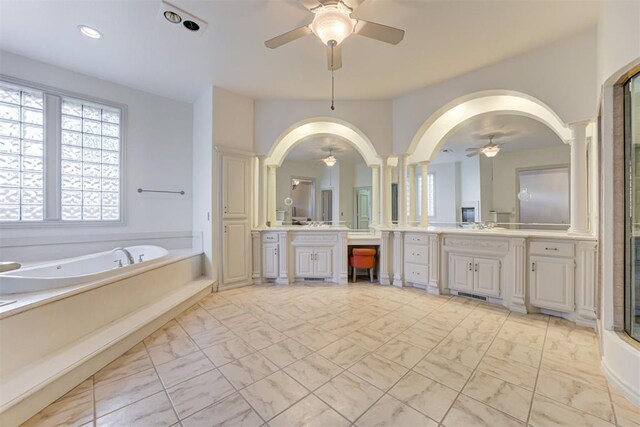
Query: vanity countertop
x=497, y=232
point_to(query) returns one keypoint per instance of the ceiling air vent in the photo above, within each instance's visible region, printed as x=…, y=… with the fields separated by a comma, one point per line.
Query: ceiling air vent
x=181, y=19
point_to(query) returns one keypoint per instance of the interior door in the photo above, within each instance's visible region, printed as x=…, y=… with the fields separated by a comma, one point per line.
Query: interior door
x=270, y=261
x=363, y=208
x=461, y=272
x=323, y=260
x=235, y=181
x=487, y=276
x=304, y=262
x=235, y=266
x=327, y=205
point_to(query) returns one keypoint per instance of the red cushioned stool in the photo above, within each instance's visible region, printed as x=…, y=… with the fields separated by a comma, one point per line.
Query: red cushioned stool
x=363, y=258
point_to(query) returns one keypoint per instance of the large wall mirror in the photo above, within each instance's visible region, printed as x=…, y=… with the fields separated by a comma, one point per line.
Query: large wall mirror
x=504, y=169
x=324, y=179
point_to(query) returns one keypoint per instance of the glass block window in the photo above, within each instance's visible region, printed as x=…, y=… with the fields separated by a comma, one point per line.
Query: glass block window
x=90, y=162
x=21, y=154
x=431, y=192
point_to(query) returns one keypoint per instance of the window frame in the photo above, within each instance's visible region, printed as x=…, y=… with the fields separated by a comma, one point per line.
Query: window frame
x=52, y=141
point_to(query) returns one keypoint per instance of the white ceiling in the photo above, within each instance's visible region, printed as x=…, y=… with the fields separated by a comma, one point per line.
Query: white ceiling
x=444, y=38
x=513, y=133
x=314, y=149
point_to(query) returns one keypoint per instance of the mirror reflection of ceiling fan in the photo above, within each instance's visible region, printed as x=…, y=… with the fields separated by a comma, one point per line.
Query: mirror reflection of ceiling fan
x=489, y=150
x=332, y=23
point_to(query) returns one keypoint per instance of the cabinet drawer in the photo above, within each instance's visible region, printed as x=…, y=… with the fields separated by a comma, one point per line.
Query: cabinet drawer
x=561, y=249
x=415, y=273
x=417, y=254
x=416, y=239
x=269, y=238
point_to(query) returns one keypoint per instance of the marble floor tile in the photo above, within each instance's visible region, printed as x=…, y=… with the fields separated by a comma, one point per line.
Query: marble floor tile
x=459, y=353
x=585, y=372
x=568, y=352
x=226, y=312
x=214, y=301
x=197, y=319
x=263, y=337
x=549, y=413
x=273, y=394
x=247, y=370
x=116, y=394
x=74, y=410
x=467, y=412
x=367, y=338
x=172, y=350
x=391, y=324
x=390, y=412
x=513, y=372
x=199, y=392
x=211, y=337
x=316, y=338
x=627, y=414
x=228, y=351
x=297, y=327
x=531, y=319
x=499, y=394
x=442, y=370
x=515, y=352
x=411, y=311
x=425, y=395
x=133, y=361
x=531, y=336
x=286, y=352
x=154, y=410
x=231, y=411
x=349, y=394
x=379, y=371
x=168, y=332
x=403, y=353
x=313, y=371
x=309, y=412
x=417, y=336
x=566, y=389
x=178, y=370
x=343, y=353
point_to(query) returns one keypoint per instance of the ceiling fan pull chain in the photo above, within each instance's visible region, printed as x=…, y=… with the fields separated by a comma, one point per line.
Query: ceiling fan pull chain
x=332, y=80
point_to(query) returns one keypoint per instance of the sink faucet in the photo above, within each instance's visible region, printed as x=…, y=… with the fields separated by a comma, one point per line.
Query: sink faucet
x=127, y=254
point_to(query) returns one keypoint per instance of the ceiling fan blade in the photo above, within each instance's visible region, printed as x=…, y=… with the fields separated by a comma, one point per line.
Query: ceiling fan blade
x=336, y=59
x=310, y=4
x=288, y=37
x=379, y=32
x=353, y=4
x=473, y=154
x=472, y=149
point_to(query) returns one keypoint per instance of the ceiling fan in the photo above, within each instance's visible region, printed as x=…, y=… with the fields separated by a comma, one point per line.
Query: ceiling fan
x=489, y=150
x=332, y=23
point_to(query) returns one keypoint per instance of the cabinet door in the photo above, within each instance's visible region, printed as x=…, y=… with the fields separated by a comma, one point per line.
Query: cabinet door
x=487, y=277
x=461, y=272
x=552, y=283
x=304, y=262
x=323, y=263
x=235, y=265
x=270, y=260
x=235, y=187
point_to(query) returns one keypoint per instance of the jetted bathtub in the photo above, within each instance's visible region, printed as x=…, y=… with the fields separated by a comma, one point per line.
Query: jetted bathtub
x=74, y=271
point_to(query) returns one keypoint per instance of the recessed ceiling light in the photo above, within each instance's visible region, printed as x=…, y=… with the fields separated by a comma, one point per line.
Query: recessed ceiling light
x=89, y=32
x=172, y=17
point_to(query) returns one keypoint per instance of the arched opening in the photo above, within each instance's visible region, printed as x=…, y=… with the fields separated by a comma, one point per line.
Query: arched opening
x=435, y=130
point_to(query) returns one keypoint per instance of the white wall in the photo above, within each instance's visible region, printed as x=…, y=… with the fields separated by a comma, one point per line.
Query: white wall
x=505, y=165
x=233, y=119
x=158, y=152
x=361, y=175
x=446, y=185
x=562, y=75
x=291, y=169
x=273, y=117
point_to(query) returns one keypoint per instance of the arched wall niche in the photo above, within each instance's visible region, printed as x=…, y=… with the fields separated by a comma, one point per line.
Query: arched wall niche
x=320, y=126
x=435, y=130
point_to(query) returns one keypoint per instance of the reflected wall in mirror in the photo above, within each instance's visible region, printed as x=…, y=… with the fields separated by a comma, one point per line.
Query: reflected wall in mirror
x=487, y=162
x=338, y=194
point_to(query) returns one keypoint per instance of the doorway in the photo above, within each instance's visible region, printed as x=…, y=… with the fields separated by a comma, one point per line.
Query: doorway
x=327, y=205
x=363, y=208
x=546, y=201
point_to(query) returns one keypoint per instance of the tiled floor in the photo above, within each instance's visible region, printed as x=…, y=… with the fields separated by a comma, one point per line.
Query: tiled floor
x=350, y=356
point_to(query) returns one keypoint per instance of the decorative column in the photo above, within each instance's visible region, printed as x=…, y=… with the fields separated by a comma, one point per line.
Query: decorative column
x=271, y=194
x=385, y=186
x=579, y=189
x=402, y=191
x=413, y=195
x=424, y=196
x=262, y=192
x=375, y=195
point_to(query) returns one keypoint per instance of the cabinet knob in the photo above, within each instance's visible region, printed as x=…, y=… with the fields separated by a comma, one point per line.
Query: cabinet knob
x=476, y=267
x=533, y=266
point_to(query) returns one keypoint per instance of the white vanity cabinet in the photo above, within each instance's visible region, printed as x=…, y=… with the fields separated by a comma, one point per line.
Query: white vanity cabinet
x=551, y=275
x=313, y=263
x=474, y=275
x=416, y=259
x=270, y=256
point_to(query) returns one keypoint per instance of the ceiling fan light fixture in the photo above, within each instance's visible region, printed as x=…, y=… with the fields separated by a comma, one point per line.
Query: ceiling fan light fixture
x=491, y=151
x=89, y=32
x=330, y=161
x=333, y=23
